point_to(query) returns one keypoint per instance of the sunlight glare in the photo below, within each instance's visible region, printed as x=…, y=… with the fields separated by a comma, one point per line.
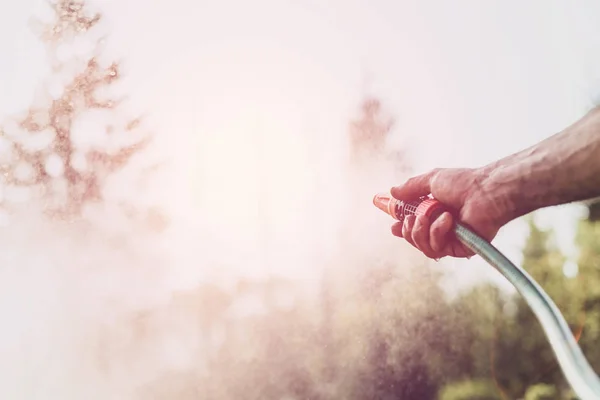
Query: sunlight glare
x=253, y=179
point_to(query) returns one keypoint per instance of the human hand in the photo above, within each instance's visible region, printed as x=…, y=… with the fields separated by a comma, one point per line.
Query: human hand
x=464, y=192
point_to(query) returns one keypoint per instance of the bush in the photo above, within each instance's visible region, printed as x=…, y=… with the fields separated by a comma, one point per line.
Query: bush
x=541, y=391
x=470, y=390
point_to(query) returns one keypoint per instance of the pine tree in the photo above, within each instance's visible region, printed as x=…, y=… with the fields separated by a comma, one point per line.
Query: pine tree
x=369, y=132
x=521, y=361
x=68, y=147
x=369, y=137
x=394, y=303
x=519, y=340
x=74, y=165
x=585, y=293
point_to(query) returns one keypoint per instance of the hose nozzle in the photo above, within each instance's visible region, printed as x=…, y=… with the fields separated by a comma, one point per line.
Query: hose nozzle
x=399, y=209
x=386, y=203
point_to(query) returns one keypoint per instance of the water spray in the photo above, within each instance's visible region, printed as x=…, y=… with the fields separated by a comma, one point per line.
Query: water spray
x=574, y=365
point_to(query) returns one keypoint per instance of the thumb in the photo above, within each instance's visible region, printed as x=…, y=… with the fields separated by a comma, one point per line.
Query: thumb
x=414, y=187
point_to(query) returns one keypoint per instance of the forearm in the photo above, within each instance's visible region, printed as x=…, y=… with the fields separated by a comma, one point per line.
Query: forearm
x=561, y=169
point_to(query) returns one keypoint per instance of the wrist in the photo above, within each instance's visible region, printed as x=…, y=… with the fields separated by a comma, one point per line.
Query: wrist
x=499, y=187
x=561, y=169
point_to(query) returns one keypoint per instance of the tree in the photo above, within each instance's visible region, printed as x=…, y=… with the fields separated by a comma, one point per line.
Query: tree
x=594, y=211
x=68, y=147
x=585, y=288
x=541, y=392
x=369, y=137
x=369, y=132
x=72, y=173
x=470, y=390
x=520, y=360
x=390, y=299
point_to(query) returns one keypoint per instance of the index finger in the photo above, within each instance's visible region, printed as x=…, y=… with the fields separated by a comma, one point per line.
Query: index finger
x=413, y=188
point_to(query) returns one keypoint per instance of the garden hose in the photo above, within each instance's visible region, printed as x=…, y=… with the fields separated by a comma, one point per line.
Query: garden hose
x=575, y=367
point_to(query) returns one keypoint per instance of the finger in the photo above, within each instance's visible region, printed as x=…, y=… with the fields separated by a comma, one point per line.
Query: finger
x=414, y=187
x=407, y=229
x=439, y=232
x=397, y=229
x=458, y=250
x=420, y=235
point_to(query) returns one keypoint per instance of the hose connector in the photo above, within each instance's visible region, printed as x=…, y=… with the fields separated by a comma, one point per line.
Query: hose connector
x=399, y=209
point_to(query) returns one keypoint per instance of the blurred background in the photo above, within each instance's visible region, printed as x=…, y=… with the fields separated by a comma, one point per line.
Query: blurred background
x=185, y=207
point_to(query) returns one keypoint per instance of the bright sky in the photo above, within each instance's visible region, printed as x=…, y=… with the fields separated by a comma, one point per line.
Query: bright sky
x=469, y=81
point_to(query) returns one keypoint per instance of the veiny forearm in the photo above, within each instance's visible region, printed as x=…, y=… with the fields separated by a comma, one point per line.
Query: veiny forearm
x=561, y=169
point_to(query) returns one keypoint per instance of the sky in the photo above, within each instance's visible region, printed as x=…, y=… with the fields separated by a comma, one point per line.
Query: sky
x=468, y=82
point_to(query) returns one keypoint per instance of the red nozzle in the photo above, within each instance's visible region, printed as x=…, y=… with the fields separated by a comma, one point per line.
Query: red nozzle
x=430, y=208
x=386, y=203
x=398, y=209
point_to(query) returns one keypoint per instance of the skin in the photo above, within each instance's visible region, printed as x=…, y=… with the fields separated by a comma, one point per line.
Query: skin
x=561, y=169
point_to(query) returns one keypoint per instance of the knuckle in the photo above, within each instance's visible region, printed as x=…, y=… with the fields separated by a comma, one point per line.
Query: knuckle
x=435, y=176
x=417, y=227
x=421, y=227
x=417, y=236
x=417, y=240
x=411, y=181
x=435, y=173
x=422, y=243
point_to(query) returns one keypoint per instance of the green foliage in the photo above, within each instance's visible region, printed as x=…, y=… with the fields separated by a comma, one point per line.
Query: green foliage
x=511, y=348
x=470, y=390
x=388, y=329
x=393, y=335
x=541, y=392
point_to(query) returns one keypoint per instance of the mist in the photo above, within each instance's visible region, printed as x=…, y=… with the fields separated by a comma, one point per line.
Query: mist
x=238, y=245
x=113, y=301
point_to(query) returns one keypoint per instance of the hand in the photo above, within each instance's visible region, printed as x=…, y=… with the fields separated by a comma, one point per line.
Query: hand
x=463, y=191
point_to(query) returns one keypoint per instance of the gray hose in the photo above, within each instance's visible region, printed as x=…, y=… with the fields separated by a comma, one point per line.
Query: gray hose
x=573, y=363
